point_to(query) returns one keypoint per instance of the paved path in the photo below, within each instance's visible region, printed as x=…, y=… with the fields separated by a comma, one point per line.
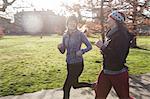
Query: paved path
x=139, y=88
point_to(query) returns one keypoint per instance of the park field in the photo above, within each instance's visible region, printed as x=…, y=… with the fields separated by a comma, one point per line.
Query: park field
x=28, y=63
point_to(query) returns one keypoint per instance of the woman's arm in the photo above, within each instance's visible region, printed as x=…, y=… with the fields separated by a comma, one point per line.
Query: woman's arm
x=61, y=46
x=86, y=42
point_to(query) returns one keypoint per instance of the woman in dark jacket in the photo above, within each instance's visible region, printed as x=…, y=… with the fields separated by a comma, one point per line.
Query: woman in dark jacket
x=114, y=50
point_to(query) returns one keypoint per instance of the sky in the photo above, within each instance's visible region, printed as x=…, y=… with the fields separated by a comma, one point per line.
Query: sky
x=54, y=5
x=18, y=5
x=46, y=4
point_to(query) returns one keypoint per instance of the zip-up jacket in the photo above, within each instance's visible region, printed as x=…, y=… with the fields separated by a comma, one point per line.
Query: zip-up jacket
x=116, y=49
x=72, y=43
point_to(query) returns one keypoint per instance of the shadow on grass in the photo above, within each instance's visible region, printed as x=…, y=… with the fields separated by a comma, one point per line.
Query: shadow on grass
x=137, y=47
x=140, y=86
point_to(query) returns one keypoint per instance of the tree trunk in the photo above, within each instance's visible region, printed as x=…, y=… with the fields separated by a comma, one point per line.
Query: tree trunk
x=102, y=21
x=134, y=43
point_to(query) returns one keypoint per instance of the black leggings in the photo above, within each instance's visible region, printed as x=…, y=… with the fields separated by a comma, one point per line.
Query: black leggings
x=74, y=71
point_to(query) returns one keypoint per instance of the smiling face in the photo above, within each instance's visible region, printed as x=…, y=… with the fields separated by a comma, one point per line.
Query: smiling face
x=72, y=25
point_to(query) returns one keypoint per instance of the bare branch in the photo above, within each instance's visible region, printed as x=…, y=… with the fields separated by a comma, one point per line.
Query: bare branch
x=6, y=4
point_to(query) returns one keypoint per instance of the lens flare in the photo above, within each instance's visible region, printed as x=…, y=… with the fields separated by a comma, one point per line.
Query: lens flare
x=32, y=23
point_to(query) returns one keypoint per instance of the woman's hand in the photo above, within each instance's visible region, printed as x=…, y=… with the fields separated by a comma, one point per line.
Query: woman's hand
x=79, y=53
x=60, y=46
x=99, y=43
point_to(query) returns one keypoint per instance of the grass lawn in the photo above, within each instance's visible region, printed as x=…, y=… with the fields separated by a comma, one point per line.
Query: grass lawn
x=28, y=63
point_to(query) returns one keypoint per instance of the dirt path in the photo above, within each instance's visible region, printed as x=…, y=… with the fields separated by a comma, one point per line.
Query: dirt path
x=139, y=88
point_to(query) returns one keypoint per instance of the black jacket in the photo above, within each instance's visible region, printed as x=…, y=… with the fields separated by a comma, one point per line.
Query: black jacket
x=116, y=51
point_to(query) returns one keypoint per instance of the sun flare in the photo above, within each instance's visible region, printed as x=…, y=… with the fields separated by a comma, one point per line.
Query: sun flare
x=52, y=4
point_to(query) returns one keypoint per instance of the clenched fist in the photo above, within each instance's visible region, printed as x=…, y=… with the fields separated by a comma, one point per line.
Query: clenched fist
x=99, y=43
x=79, y=53
x=60, y=46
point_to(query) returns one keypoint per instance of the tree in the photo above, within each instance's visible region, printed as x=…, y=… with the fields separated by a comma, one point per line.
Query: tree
x=3, y=7
x=88, y=5
x=135, y=14
x=5, y=4
x=133, y=8
x=1, y=32
x=134, y=11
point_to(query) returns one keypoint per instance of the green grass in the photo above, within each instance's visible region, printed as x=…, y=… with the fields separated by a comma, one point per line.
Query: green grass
x=28, y=63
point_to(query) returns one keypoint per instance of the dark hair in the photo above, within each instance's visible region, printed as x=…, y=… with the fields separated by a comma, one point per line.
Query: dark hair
x=71, y=18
